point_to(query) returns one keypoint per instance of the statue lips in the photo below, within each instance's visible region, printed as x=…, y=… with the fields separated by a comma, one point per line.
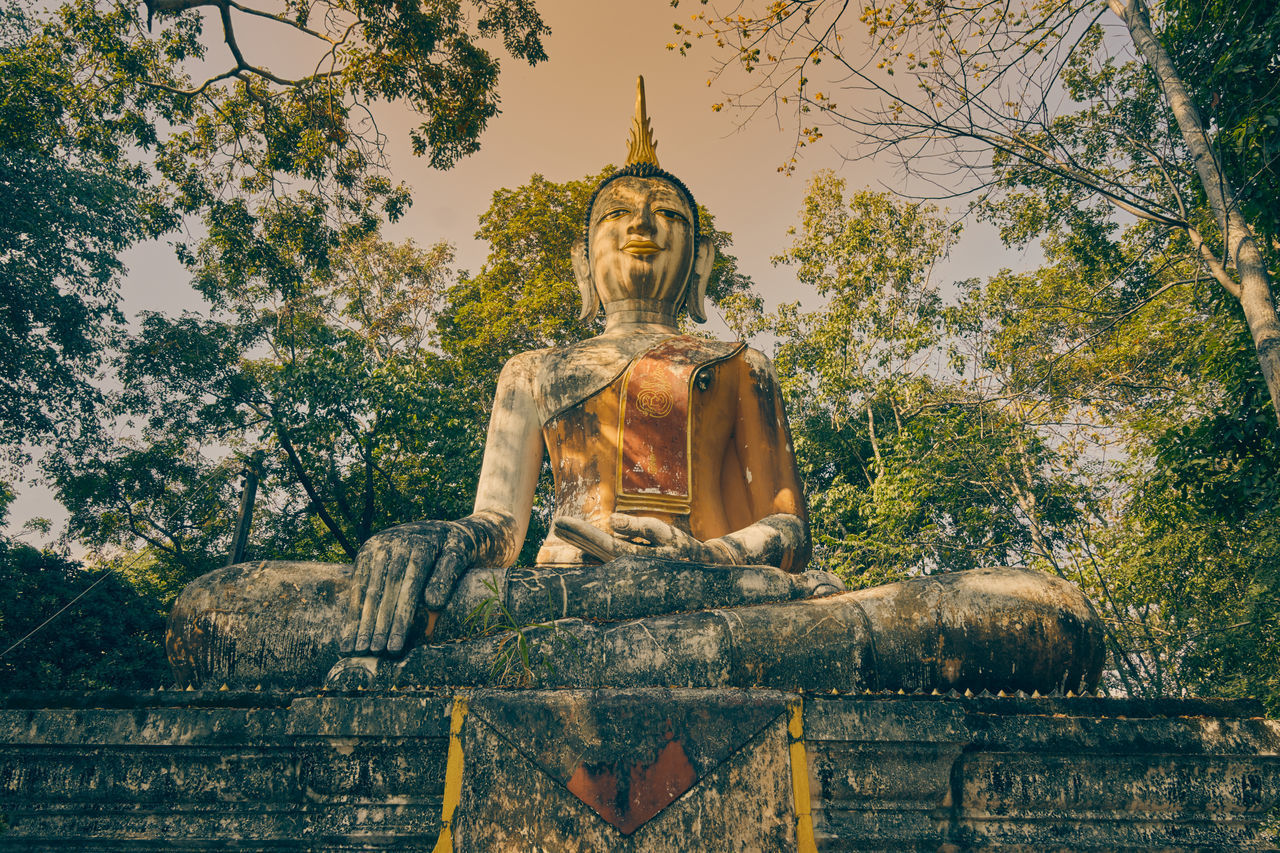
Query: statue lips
x=641, y=248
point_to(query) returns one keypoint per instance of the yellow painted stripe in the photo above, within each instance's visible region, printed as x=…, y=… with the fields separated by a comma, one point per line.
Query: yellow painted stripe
x=452, y=776
x=800, y=778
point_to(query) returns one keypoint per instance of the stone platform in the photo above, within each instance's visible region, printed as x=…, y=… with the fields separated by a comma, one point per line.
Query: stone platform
x=651, y=769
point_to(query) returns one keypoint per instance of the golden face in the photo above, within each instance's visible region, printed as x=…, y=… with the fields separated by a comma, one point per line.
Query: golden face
x=641, y=241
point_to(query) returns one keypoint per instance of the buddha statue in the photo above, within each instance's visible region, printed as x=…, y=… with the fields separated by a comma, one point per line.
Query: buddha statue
x=679, y=542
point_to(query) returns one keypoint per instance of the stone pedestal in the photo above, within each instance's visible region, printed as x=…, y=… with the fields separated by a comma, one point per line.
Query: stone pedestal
x=646, y=769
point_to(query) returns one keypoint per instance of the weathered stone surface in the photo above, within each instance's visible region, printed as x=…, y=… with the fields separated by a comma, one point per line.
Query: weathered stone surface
x=999, y=629
x=937, y=632
x=279, y=771
x=207, y=771
x=627, y=754
x=520, y=794
x=810, y=644
x=276, y=623
x=272, y=623
x=629, y=587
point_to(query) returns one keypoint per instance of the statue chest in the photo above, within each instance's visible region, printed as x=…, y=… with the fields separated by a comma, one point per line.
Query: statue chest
x=650, y=442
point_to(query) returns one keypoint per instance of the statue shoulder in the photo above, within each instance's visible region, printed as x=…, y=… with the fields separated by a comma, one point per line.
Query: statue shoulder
x=567, y=375
x=523, y=368
x=760, y=365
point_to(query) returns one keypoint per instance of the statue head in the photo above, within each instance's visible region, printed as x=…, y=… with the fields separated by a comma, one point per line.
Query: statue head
x=641, y=249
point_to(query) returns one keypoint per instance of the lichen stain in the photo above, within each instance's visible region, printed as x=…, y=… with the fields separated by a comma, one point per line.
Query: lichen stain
x=343, y=746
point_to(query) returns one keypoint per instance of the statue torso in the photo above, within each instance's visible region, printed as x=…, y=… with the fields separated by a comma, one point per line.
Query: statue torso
x=648, y=434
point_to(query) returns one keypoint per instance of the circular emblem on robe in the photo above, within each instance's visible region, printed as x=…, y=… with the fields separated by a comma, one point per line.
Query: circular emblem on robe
x=655, y=399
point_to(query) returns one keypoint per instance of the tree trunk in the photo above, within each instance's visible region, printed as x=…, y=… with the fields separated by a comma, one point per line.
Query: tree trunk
x=1254, y=290
x=875, y=442
x=245, y=518
x=296, y=465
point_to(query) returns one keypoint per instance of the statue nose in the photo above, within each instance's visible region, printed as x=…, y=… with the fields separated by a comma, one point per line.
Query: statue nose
x=642, y=220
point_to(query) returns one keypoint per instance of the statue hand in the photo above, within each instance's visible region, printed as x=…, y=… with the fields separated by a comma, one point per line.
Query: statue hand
x=658, y=539
x=396, y=571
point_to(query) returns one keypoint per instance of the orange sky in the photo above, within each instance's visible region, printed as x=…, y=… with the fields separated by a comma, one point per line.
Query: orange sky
x=570, y=116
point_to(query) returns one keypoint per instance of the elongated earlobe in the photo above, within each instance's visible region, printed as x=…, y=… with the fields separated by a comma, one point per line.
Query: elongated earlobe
x=703, y=260
x=586, y=285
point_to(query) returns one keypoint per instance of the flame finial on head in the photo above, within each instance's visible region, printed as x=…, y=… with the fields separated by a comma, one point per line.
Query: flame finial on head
x=641, y=147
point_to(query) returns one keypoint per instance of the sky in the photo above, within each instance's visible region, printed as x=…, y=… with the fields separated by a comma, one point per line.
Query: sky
x=570, y=115
x=567, y=117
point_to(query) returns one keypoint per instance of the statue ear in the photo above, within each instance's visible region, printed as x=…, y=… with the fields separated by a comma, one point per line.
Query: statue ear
x=586, y=285
x=703, y=259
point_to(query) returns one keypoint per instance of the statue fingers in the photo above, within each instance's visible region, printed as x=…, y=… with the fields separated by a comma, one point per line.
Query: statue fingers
x=379, y=556
x=651, y=530
x=415, y=578
x=355, y=602
x=448, y=569
x=585, y=535
x=397, y=562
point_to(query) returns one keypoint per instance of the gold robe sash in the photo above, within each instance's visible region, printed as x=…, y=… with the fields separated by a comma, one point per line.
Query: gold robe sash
x=655, y=424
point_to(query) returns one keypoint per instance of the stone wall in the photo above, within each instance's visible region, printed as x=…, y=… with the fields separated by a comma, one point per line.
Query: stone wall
x=652, y=770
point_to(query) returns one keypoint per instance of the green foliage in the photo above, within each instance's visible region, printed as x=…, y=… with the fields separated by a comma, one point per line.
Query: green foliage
x=366, y=382
x=909, y=467
x=1122, y=328
x=110, y=638
x=105, y=139
x=330, y=377
x=70, y=203
x=1226, y=54
x=523, y=648
x=524, y=296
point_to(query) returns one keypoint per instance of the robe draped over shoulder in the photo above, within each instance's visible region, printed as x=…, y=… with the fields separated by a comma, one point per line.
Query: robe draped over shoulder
x=621, y=429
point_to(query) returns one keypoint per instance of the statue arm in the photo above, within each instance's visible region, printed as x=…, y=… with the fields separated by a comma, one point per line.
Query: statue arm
x=762, y=440
x=509, y=473
x=413, y=567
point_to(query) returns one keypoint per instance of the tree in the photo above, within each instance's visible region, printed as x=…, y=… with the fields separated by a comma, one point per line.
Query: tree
x=1032, y=94
x=70, y=203
x=524, y=296
x=367, y=386
x=913, y=458
x=332, y=381
x=255, y=132
x=112, y=636
x=105, y=139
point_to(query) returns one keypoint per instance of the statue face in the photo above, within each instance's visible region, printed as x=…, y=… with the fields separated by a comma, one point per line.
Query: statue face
x=641, y=241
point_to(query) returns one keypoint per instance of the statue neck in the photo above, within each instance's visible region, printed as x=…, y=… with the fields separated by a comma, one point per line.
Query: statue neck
x=651, y=314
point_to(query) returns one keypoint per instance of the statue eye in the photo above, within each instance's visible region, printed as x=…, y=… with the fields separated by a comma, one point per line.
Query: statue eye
x=616, y=213
x=673, y=215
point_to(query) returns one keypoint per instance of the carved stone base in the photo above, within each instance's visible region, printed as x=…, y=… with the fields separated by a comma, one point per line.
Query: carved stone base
x=649, y=769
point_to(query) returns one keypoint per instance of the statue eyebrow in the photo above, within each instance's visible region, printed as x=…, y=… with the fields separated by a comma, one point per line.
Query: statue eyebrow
x=616, y=195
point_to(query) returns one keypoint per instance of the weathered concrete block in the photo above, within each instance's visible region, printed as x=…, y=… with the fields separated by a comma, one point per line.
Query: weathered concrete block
x=656, y=771
x=647, y=769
